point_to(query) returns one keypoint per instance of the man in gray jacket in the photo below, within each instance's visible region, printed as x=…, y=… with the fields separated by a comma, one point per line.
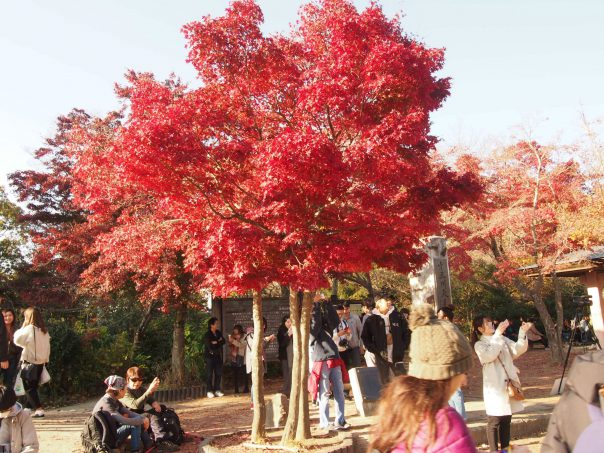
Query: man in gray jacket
x=577, y=423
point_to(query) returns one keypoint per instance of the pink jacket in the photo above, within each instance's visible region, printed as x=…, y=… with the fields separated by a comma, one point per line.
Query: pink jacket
x=455, y=439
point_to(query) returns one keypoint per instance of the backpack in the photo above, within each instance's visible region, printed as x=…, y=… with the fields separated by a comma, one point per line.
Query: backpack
x=99, y=434
x=170, y=423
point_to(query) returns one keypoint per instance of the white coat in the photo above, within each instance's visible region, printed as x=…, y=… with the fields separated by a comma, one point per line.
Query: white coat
x=494, y=385
x=35, y=344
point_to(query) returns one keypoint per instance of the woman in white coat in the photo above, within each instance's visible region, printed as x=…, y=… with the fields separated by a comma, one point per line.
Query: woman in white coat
x=34, y=339
x=496, y=354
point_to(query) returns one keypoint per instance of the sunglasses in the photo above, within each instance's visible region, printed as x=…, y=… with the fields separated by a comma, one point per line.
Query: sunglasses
x=136, y=380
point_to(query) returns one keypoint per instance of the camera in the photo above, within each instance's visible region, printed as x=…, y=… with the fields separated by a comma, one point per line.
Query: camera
x=343, y=343
x=582, y=301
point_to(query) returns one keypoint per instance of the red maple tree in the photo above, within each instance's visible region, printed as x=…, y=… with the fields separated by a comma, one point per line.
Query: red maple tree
x=526, y=220
x=298, y=156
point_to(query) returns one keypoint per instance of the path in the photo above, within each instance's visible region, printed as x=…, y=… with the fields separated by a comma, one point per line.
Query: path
x=59, y=431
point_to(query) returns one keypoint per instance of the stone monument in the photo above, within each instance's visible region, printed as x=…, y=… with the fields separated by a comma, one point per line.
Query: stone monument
x=433, y=282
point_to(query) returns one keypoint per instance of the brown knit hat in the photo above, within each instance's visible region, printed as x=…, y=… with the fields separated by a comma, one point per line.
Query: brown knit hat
x=438, y=348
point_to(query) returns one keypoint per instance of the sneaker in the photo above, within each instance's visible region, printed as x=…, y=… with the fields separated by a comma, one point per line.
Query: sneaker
x=210, y=395
x=39, y=413
x=166, y=445
x=344, y=427
x=218, y=393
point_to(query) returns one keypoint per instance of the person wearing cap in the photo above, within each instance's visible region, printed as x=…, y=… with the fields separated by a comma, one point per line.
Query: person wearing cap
x=413, y=413
x=129, y=423
x=17, y=429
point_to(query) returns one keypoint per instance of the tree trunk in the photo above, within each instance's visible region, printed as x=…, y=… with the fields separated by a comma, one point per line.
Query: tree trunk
x=178, y=344
x=142, y=327
x=559, y=305
x=291, y=424
x=303, y=429
x=555, y=342
x=259, y=420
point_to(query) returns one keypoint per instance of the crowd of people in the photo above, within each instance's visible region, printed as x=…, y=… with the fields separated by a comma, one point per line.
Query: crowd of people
x=422, y=408
x=24, y=353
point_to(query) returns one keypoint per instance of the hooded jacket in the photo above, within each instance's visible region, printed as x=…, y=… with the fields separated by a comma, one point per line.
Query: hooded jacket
x=18, y=430
x=323, y=322
x=577, y=422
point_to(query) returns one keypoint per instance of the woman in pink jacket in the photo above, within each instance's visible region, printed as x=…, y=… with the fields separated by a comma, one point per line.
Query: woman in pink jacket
x=414, y=414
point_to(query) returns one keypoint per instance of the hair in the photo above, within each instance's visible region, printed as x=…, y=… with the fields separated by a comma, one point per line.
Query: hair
x=284, y=320
x=405, y=311
x=212, y=321
x=134, y=372
x=447, y=311
x=7, y=398
x=340, y=307
x=113, y=393
x=10, y=328
x=477, y=322
x=406, y=404
x=346, y=304
x=239, y=328
x=370, y=304
x=32, y=316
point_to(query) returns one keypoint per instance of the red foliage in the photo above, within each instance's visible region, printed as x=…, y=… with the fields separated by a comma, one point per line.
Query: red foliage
x=299, y=155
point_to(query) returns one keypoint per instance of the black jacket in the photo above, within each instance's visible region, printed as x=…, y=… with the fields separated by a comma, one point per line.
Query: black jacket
x=374, y=335
x=4, y=346
x=324, y=320
x=284, y=339
x=213, y=350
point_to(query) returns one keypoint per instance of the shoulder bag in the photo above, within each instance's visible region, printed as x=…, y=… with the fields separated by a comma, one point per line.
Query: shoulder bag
x=515, y=391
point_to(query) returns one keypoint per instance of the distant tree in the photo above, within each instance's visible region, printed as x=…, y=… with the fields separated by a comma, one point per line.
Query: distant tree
x=12, y=241
x=526, y=221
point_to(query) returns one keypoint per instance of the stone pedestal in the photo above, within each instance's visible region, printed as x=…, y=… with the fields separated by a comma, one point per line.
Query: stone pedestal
x=276, y=411
x=366, y=388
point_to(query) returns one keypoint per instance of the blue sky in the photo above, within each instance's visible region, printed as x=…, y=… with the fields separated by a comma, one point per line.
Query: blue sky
x=512, y=62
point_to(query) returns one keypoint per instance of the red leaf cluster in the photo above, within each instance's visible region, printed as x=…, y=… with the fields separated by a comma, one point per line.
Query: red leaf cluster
x=298, y=156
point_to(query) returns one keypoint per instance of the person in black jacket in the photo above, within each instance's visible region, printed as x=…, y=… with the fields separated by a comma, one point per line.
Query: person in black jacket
x=386, y=335
x=286, y=353
x=10, y=353
x=214, y=341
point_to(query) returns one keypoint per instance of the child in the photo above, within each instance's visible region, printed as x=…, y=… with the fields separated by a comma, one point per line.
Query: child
x=17, y=428
x=237, y=356
x=414, y=414
x=129, y=423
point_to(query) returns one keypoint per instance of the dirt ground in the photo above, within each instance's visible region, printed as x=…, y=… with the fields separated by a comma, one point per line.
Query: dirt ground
x=59, y=431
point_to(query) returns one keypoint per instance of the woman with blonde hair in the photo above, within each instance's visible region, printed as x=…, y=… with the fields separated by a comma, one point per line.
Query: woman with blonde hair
x=34, y=339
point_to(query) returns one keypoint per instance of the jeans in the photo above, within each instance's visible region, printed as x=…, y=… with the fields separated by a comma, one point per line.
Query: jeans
x=135, y=436
x=498, y=429
x=286, y=371
x=457, y=402
x=214, y=373
x=333, y=376
x=240, y=377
